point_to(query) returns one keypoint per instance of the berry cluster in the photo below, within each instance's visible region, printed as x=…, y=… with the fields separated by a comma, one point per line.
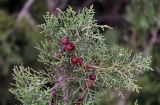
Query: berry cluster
x=76, y=60
x=67, y=46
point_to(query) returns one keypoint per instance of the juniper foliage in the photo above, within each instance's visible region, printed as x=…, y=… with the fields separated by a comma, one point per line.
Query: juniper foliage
x=114, y=67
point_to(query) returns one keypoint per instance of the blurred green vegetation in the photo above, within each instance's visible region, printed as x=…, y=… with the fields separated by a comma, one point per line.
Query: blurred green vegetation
x=143, y=19
x=15, y=48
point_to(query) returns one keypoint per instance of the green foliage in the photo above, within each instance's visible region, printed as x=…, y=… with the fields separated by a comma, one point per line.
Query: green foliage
x=31, y=33
x=15, y=47
x=12, y=44
x=8, y=51
x=32, y=92
x=5, y=21
x=143, y=16
x=114, y=67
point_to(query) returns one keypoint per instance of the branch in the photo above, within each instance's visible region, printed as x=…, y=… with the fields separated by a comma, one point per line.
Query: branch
x=152, y=41
x=23, y=13
x=65, y=90
x=24, y=10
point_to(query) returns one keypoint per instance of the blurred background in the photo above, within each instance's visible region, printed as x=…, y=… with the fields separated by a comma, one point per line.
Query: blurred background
x=136, y=26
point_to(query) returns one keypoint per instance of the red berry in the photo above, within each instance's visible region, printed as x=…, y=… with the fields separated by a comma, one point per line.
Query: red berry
x=92, y=77
x=64, y=40
x=80, y=61
x=69, y=47
x=74, y=60
x=89, y=84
